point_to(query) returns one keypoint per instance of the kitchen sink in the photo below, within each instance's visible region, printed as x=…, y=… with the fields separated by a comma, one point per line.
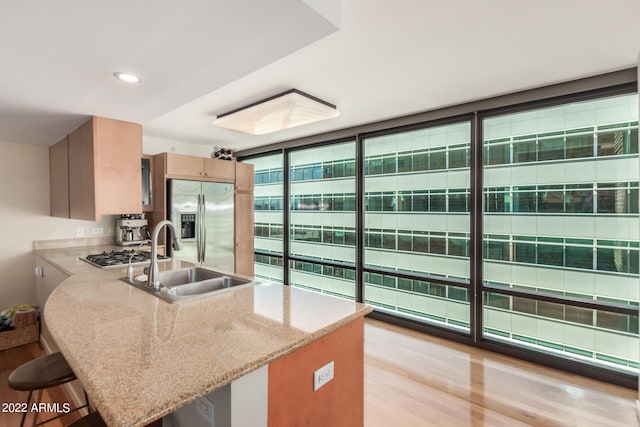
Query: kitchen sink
x=187, y=275
x=189, y=283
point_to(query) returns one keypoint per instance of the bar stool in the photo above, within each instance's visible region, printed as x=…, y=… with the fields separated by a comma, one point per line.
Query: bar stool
x=44, y=372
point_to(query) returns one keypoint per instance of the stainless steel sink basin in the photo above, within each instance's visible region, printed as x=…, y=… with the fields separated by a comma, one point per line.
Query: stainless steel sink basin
x=187, y=275
x=189, y=283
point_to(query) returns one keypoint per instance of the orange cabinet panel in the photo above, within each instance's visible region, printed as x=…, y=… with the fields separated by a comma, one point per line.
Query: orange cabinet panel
x=339, y=402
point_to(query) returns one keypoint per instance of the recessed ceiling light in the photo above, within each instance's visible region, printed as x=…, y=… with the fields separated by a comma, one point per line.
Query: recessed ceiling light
x=127, y=77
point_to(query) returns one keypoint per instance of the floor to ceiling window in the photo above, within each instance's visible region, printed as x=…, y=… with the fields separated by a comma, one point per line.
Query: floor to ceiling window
x=561, y=220
x=268, y=217
x=416, y=192
x=322, y=219
x=516, y=227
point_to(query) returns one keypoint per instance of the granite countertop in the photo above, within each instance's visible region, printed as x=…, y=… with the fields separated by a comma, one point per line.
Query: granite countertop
x=140, y=358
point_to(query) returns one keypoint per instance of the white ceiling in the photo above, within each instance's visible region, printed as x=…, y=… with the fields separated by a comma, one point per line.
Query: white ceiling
x=200, y=58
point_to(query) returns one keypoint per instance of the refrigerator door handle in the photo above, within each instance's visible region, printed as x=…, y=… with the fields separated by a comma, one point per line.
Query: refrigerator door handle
x=204, y=229
x=198, y=231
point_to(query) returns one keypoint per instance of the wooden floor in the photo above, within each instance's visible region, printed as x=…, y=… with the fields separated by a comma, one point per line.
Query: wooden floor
x=412, y=379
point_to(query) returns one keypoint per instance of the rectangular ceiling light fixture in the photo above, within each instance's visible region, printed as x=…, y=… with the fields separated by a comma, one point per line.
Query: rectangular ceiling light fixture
x=286, y=110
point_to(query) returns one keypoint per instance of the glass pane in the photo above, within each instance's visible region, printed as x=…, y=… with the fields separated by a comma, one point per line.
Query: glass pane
x=268, y=224
x=419, y=223
x=524, y=151
x=588, y=335
x=405, y=163
x=497, y=154
x=459, y=158
x=551, y=149
x=573, y=230
x=323, y=222
x=437, y=160
x=339, y=282
x=524, y=200
x=579, y=146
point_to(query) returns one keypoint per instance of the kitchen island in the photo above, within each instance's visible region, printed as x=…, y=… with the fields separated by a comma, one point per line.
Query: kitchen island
x=140, y=358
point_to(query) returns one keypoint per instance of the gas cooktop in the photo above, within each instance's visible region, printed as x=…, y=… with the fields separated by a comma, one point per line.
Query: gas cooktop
x=118, y=259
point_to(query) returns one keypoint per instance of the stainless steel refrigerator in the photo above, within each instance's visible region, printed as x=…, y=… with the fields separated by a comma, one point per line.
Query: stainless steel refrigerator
x=203, y=215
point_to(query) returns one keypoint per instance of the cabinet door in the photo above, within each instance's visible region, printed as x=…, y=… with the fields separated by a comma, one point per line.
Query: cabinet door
x=48, y=279
x=59, y=179
x=117, y=151
x=244, y=177
x=244, y=246
x=82, y=203
x=219, y=170
x=184, y=166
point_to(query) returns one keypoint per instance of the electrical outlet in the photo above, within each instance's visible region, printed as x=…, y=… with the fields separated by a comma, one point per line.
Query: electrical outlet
x=97, y=230
x=322, y=376
x=80, y=232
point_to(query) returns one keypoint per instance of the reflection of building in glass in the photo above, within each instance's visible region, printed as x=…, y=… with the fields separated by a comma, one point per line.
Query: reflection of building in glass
x=560, y=217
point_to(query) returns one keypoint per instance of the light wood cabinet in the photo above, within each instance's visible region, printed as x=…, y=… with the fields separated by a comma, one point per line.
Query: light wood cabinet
x=102, y=170
x=244, y=233
x=244, y=250
x=201, y=168
x=219, y=170
x=59, y=178
x=81, y=173
x=244, y=177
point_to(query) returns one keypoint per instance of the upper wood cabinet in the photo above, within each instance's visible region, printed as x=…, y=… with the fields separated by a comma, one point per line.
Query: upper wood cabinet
x=244, y=177
x=59, y=178
x=202, y=168
x=104, y=175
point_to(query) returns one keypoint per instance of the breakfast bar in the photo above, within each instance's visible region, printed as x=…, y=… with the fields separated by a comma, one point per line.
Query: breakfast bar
x=140, y=358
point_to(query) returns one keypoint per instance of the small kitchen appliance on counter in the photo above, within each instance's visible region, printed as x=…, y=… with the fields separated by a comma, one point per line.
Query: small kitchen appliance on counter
x=131, y=229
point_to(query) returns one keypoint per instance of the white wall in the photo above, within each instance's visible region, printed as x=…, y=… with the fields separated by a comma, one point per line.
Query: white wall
x=152, y=145
x=24, y=217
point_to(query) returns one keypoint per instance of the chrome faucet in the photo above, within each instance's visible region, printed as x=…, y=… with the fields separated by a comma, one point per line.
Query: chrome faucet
x=152, y=279
x=130, y=267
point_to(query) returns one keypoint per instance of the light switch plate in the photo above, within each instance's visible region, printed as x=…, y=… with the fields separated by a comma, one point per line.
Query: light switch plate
x=322, y=376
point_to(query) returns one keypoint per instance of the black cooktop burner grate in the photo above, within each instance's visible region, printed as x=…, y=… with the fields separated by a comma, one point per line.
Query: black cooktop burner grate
x=115, y=259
